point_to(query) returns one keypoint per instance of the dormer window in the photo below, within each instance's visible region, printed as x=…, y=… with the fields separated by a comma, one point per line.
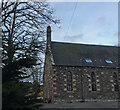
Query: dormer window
x=88, y=60
x=108, y=61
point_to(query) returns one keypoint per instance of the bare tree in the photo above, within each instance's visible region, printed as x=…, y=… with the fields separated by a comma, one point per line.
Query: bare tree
x=23, y=28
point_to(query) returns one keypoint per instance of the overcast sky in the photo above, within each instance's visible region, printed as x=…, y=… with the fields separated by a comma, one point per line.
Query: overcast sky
x=91, y=22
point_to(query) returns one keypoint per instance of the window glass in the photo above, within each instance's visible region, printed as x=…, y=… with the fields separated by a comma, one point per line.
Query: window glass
x=88, y=60
x=93, y=80
x=69, y=81
x=115, y=81
x=108, y=61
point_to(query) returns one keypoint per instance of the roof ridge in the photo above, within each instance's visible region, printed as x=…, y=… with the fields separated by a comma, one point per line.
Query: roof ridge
x=83, y=44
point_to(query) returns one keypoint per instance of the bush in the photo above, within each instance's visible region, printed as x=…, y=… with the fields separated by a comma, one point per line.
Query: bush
x=14, y=95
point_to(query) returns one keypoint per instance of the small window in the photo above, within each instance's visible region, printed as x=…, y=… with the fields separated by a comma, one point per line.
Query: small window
x=115, y=81
x=69, y=81
x=93, y=87
x=116, y=87
x=108, y=61
x=93, y=80
x=88, y=60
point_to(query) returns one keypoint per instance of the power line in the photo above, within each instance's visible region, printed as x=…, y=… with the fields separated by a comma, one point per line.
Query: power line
x=71, y=19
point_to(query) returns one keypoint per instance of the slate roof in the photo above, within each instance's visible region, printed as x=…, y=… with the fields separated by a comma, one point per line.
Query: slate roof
x=70, y=54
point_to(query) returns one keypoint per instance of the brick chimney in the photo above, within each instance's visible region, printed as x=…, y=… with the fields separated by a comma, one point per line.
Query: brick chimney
x=48, y=35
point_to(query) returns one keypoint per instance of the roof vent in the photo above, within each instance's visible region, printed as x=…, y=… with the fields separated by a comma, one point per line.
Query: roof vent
x=108, y=61
x=88, y=60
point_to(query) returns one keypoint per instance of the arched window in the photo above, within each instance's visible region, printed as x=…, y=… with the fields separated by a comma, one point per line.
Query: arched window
x=69, y=81
x=115, y=81
x=93, y=80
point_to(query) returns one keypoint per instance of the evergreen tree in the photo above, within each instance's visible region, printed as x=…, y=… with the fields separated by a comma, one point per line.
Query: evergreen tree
x=23, y=29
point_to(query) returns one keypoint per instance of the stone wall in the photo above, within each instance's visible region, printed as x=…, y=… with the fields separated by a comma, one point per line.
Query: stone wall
x=55, y=81
x=82, y=89
x=47, y=76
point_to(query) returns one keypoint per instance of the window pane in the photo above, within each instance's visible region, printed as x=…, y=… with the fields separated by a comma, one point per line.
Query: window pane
x=93, y=87
x=69, y=81
x=93, y=80
x=108, y=61
x=116, y=87
x=115, y=81
x=88, y=60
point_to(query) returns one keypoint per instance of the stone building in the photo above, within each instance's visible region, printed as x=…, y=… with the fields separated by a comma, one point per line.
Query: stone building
x=80, y=72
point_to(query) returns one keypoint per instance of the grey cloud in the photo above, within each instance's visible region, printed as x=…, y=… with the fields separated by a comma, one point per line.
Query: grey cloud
x=101, y=21
x=116, y=34
x=99, y=34
x=74, y=37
